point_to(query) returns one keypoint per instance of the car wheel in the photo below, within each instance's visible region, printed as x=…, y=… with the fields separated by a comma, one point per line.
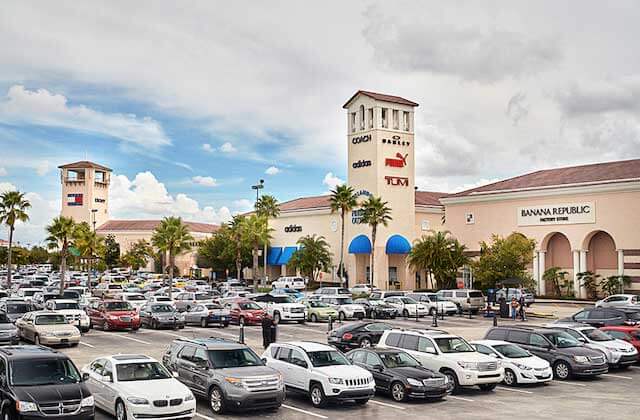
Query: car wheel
x=314, y=318
x=204, y=323
x=316, y=393
x=225, y=325
x=365, y=342
x=36, y=340
x=405, y=313
x=7, y=414
x=155, y=324
x=341, y=316
x=562, y=370
x=487, y=387
x=510, y=378
x=453, y=380
x=398, y=392
x=121, y=411
x=374, y=315
x=216, y=400
x=105, y=326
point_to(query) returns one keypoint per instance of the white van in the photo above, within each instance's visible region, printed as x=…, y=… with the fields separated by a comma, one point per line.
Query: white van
x=296, y=283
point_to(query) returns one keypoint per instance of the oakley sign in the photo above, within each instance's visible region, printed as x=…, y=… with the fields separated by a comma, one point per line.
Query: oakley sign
x=399, y=161
x=397, y=180
x=361, y=139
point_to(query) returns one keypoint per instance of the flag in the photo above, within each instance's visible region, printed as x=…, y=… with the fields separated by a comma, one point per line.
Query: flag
x=74, y=199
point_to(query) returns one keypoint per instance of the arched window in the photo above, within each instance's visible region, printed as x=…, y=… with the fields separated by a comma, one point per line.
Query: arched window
x=361, y=117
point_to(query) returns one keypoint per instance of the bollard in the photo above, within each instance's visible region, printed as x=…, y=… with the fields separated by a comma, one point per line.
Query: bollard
x=434, y=323
x=417, y=314
x=330, y=324
x=495, y=320
x=470, y=313
x=441, y=313
x=241, y=338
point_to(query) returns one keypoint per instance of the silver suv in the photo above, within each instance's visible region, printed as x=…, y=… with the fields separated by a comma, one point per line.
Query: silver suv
x=229, y=374
x=465, y=299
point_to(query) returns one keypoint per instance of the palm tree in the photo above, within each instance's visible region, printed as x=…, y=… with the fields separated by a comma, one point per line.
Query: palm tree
x=440, y=255
x=375, y=212
x=62, y=233
x=173, y=237
x=89, y=244
x=312, y=257
x=256, y=232
x=236, y=228
x=342, y=200
x=267, y=206
x=13, y=207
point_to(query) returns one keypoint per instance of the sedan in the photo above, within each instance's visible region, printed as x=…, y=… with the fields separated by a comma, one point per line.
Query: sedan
x=113, y=315
x=8, y=332
x=205, y=314
x=629, y=334
x=377, y=309
x=359, y=334
x=407, y=306
x=604, y=317
x=246, y=312
x=158, y=315
x=621, y=300
x=47, y=328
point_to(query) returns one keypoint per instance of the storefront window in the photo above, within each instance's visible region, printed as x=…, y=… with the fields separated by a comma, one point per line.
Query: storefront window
x=467, y=277
x=393, y=278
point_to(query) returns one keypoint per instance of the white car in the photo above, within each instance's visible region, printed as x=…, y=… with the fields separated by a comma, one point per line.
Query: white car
x=434, y=303
x=28, y=292
x=321, y=372
x=520, y=366
x=406, y=306
x=619, y=353
x=344, y=306
x=618, y=301
x=448, y=354
x=282, y=308
x=362, y=288
x=297, y=283
x=160, y=299
x=137, y=300
x=71, y=311
x=132, y=387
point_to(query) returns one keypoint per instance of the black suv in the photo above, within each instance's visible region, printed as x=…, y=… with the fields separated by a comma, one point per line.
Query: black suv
x=605, y=317
x=359, y=334
x=567, y=356
x=38, y=382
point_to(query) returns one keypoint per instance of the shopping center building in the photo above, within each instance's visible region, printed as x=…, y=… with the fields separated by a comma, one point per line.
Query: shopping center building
x=582, y=218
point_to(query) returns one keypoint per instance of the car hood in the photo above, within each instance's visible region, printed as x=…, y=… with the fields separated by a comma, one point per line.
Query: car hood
x=352, y=307
x=470, y=356
x=71, y=311
x=7, y=326
x=219, y=311
x=154, y=389
x=248, y=371
x=533, y=362
x=615, y=345
x=57, y=328
x=289, y=305
x=14, y=317
x=344, y=371
x=121, y=313
x=51, y=393
x=580, y=351
x=414, y=372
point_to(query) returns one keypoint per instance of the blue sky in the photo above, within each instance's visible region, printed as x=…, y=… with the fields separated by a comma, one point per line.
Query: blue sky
x=191, y=105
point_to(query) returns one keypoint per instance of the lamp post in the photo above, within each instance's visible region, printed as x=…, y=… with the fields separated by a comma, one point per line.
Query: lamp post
x=92, y=249
x=258, y=187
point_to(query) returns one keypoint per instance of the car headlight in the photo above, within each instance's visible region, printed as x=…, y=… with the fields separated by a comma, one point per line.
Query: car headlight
x=581, y=359
x=48, y=334
x=181, y=317
x=189, y=397
x=112, y=317
x=26, y=406
x=336, y=381
x=138, y=400
x=285, y=309
x=233, y=381
x=14, y=333
x=522, y=367
x=414, y=382
x=87, y=401
x=468, y=365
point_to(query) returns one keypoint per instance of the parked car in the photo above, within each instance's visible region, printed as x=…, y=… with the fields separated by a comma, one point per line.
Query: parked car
x=520, y=366
x=399, y=375
x=377, y=309
x=137, y=387
x=281, y=308
x=320, y=371
x=295, y=294
x=159, y=315
x=616, y=301
x=360, y=334
x=186, y=300
x=15, y=309
x=629, y=334
x=40, y=299
x=247, y=312
x=137, y=300
x=113, y=315
x=103, y=290
x=8, y=332
x=465, y=299
x=228, y=374
x=344, y=306
x=567, y=356
x=448, y=354
x=42, y=383
x=382, y=294
x=297, y=283
x=47, y=328
x=362, y=289
x=619, y=353
x=319, y=311
x=434, y=303
x=205, y=314
x=332, y=291
x=604, y=317
x=72, y=312
x=160, y=299
x=28, y=292
x=407, y=306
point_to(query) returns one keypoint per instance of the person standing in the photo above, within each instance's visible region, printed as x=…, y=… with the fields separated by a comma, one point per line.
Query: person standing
x=266, y=331
x=521, y=308
x=514, y=308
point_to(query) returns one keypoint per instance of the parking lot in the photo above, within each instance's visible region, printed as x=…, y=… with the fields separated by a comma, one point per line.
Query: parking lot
x=610, y=395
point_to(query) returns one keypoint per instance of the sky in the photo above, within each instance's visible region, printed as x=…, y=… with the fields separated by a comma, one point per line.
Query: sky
x=190, y=103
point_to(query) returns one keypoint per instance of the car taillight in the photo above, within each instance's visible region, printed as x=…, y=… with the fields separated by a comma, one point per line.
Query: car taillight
x=347, y=336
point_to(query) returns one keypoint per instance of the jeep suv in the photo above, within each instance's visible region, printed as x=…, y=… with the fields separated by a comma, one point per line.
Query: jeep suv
x=448, y=354
x=40, y=383
x=465, y=299
x=282, y=308
x=566, y=355
x=229, y=374
x=321, y=372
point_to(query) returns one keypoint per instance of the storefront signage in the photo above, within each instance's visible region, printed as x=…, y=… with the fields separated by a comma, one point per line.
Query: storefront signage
x=74, y=199
x=361, y=139
x=293, y=228
x=356, y=216
x=557, y=214
x=361, y=193
x=400, y=161
x=100, y=200
x=361, y=164
x=396, y=140
x=397, y=180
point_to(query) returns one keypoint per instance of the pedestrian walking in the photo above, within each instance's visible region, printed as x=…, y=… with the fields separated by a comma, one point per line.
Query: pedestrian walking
x=523, y=316
x=266, y=331
x=514, y=308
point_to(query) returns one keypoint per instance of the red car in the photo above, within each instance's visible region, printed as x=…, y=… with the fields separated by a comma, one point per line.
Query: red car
x=247, y=312
x=113, y=315
x=629, y=334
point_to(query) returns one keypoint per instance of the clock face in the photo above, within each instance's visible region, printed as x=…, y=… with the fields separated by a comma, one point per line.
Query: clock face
x=334, y=225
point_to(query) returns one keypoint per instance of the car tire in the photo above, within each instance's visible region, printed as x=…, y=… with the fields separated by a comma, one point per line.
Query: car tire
x=216, y=400
x=204, y=323
x=314, y=318
x=453, y=380
x=301, y=321
x=561, y=370
x=510, y=377
x=36, y=340
x=398, y=392
x=317, y=397
x=365, y=342
x=7, y=414
x=373, y=315
x=225, y=325
x=105, y=326
x=487, y=387
x=405, y=313
x=276, y=317
x=155, y=324
x=121, y=411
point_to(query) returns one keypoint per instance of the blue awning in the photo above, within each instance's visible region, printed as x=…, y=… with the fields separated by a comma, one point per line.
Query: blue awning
x=287, y=252
x=273, y=254
x=398, y=244
x=360, y=245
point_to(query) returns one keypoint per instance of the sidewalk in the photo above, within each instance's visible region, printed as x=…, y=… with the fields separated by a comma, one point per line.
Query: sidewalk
x=567, y=301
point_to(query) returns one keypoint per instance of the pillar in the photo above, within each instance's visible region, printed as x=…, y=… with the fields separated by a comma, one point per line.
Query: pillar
x=620, y=262
x=583, y=268
x=536, y=271
x=576, y=270
x=542, y=267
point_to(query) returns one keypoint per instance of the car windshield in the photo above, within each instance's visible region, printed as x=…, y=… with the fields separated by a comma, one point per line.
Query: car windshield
x=511, y=351
x=399, y=359
x=163, y=299
x=115, y=286
x=70, y=294
x=344, y=301
x=408, y=300
x=202, y=296
x=17, y=308
x=117, y=306
x=436, y=298
x=38, y=372
x=222, y=359
x=327, y=358
x=562, y=339
x=30, y=292
x=249, y=306
x=595, y=334
x=317, y=304
x=476, y=294
x=50, y=320
x=212, y=306
x=453, y=345
x=162, y=308
x=135, y=297
x=67, y=305
x=282, y=299
x=141, y=371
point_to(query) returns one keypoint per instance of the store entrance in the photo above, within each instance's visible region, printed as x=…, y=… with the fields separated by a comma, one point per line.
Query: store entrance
x=394, y=283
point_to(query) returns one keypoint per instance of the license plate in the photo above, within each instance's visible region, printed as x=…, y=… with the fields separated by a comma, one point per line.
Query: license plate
x=64, y=340
x=222, y=318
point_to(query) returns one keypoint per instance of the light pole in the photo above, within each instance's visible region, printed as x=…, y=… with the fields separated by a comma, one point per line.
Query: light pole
x=258, y=187
x=92, y=249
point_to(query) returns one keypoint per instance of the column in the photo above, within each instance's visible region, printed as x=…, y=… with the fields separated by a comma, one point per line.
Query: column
x=542, y=266
x=583, y=268
x=576, y=270
x=536, y=271
x=620, y=262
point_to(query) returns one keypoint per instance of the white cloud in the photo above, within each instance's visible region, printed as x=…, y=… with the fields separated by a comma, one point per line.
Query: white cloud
x=332, y=181
x=43, y=167
x=243, y=205
x=228, y=148
x=207, y=148
x=41, y=107
x=41, y=213
x=3, y=172
x=7, y=186
x=272, y=170
x=205, y=181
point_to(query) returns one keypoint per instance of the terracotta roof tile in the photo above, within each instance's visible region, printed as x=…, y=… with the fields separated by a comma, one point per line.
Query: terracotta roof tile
x=429, y=198
x=148, y=225
x=381, y=97
x=84, y=164
x=423, y=198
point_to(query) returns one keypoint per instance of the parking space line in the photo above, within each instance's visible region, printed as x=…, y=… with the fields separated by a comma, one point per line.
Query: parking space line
x=460, y=398
x=125, y=337
x=170, y=334
x=204, y=417
x=567, y=383
x=300, y=410
x=617, y=376
x=88, y=345
x=387, y=405
x=522, y=391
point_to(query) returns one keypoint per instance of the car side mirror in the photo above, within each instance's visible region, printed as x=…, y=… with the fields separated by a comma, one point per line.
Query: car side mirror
x=107, y=378
x=378, y=368
x=264, y=360
x=85, y=377
x=582, y=340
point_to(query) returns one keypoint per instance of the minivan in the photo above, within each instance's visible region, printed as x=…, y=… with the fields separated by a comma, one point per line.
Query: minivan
x=465, y=299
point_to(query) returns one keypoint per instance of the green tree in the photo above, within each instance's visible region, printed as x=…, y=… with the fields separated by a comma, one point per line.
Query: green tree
x=267, y=206
x=589, y=281
x=256, y=233
x=61, y=235
x=91, y=247
x=172, y=236
x=111, y=251
x=38, y=255
x=615, y=284
x=20, y=256
x=440, y=255
x=13, y=208
x=342, y=200
x=312, y=257
x=236, y=228
x=219, y=251
x=138, y=255
x=557, y=277
x=375, y=212
x=503, y=258
x=3, y=255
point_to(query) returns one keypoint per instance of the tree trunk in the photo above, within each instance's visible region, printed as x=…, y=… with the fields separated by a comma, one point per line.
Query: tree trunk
x=255, y=267
x=9, y=258
x=63, y=268
x=264, y=254
x=171, y=257
x=238, y=260
x=342, y=249
x=374, y=230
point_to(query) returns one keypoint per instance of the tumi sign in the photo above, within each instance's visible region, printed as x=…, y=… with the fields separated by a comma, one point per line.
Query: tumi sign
x=397, y=180
x=557, y=214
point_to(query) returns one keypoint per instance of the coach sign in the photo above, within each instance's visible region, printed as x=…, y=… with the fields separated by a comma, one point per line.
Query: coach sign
x=557, y=214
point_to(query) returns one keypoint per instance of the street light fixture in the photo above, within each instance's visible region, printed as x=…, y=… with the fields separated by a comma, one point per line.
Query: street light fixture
x=258, y=187
x=93, y=246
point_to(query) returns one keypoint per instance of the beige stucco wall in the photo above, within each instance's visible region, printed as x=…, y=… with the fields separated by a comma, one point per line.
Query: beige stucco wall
x=91, y=191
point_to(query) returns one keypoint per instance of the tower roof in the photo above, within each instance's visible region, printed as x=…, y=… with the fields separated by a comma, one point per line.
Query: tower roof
x=380, y=97
x=84, y=164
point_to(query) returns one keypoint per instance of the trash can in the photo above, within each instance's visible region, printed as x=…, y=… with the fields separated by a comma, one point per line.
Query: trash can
x=504, y=308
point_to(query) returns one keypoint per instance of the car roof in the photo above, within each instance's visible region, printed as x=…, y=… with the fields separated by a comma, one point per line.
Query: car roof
x=310, y=345
x=45, y=312
x=572, y=325
x=490, y=342
x=30, y=352
x=63, y=301
x=129, y=358
x=213, y=343
x=423, y=332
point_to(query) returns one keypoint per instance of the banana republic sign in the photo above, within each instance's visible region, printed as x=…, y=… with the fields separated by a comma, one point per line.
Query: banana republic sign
x=557, y=214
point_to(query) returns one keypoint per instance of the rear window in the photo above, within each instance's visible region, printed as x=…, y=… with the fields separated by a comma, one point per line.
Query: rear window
x=461, y=294
x=497, y=334
x=393, y=340
x=476, y=294
x=519, y=337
